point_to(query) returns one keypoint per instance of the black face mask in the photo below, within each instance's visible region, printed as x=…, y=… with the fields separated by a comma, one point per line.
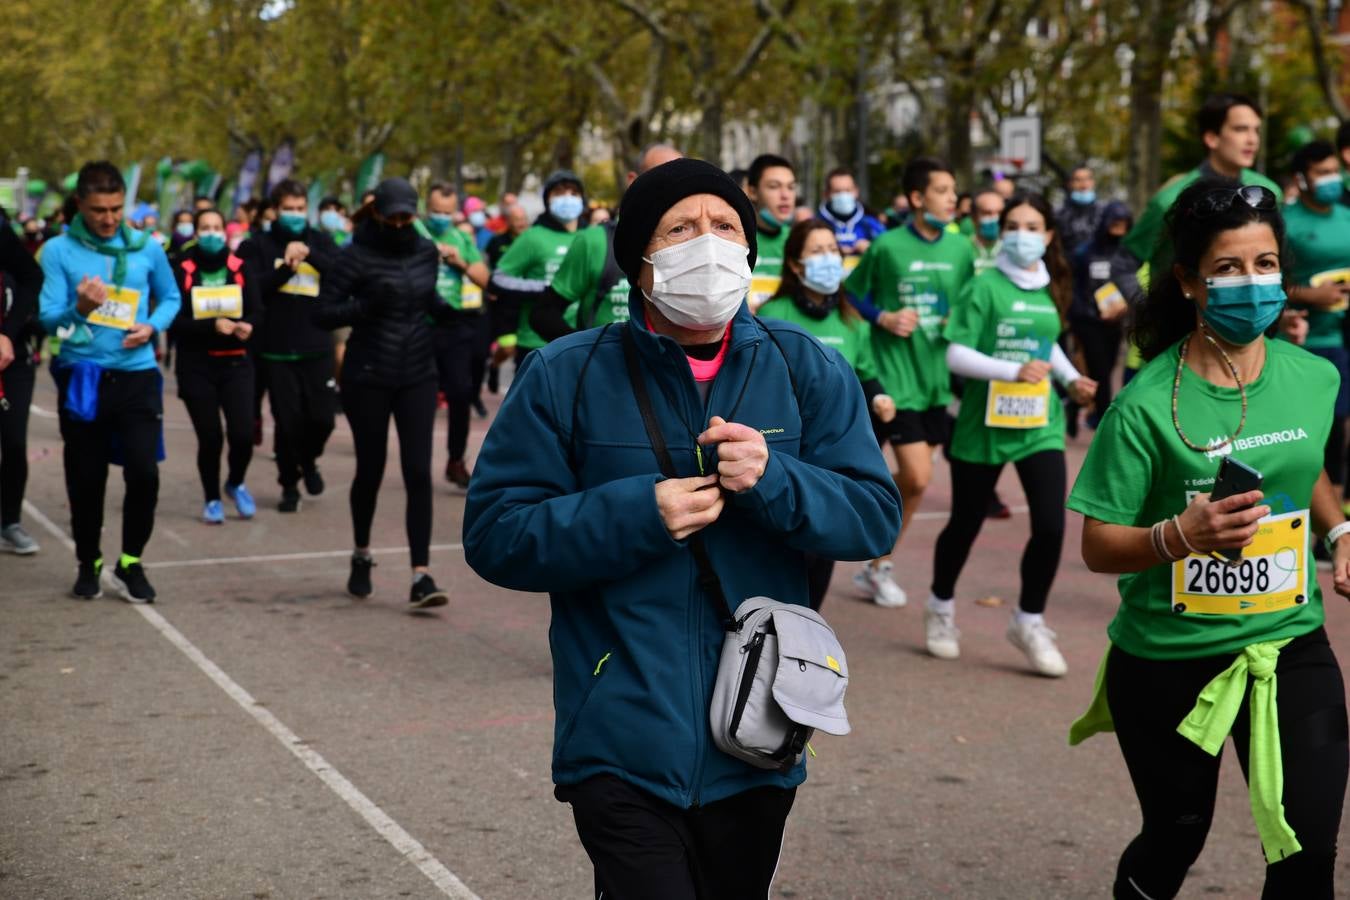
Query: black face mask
x=396, y=237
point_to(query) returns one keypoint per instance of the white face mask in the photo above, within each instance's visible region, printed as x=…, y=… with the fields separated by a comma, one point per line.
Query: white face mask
x=701, y=283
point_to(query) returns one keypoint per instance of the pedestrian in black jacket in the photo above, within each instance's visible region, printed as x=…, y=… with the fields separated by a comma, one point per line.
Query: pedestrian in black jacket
x=1104, y=286
x=384, y=288
x=20, y=282
x=289, y=263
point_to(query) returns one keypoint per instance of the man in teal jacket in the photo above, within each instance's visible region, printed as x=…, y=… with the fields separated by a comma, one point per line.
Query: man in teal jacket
x=770, y=438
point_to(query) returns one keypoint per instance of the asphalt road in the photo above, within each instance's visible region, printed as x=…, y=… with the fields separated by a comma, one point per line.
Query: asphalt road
x=258, y=734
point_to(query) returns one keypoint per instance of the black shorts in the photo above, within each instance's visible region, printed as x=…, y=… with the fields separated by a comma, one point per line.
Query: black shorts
x=916, y=426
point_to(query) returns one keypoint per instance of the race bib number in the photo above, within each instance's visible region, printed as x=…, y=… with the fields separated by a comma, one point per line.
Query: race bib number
x=1333, y=276
x=470, y=296
x=1109, y=298
x=304, y=283
x=1016, y=404
x=223, y=302
x=763, y=288
x=1099, y=269
x=1271, y=576
x=119, y=310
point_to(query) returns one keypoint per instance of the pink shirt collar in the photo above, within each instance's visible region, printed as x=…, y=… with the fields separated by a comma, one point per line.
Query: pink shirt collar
x=705, y=369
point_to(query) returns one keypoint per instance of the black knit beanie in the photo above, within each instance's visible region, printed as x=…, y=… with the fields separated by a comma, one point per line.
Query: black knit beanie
x=656, y=191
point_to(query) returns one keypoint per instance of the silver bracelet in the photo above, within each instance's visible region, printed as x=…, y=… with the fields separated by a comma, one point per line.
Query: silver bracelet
x=1176, y=521
x=1160, y=544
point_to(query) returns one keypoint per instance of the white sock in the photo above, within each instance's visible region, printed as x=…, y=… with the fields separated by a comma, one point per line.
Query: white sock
x=418, y=576
x=1026, y=618
x=938, y=605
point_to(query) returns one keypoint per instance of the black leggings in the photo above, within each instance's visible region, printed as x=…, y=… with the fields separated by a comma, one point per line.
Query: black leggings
x=209, y=387
x=461, y=355
x=18, y=383
x=1100, y=342
x=1043, y=481
x=1176, y=781
x=414, y=410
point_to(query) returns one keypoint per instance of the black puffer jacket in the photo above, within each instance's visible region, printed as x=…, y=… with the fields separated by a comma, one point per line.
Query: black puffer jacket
x=385, y=289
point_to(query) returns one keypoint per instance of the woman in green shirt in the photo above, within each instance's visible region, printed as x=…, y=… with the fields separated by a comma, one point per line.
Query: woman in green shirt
x=810, y=296
x=1003, y=337
x=1190, y=623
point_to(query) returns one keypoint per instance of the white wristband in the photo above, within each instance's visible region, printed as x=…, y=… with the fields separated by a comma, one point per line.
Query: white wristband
x=1335, y=535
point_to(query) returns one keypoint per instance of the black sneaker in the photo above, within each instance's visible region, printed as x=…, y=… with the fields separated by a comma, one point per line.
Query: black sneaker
x=457, y=473
x=130, y=582
x=479, y=407
x=425, y=594
x=290, y=501
x=88, y=585
x=358, y=583
x=313, y=483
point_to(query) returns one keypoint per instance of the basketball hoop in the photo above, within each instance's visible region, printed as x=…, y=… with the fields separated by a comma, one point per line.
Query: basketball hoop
x=1006, y=165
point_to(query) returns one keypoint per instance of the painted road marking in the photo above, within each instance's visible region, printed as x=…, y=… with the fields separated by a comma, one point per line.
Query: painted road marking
x=286, y=557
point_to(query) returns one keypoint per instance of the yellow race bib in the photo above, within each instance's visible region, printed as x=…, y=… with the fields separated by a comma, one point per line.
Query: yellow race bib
x=304, y=283
x=1332, y=276
x=119, y=310
x=1016, y=404
x=1109, y=298
x=470, y=296
x=763, y=288
x=1271, y=576
x=223, y=302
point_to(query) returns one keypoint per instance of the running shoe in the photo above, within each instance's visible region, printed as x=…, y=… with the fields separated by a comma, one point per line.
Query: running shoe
x=457, y=473
x=941, y=636
x=88, y=586
x=1037, y=641
x=425, y=594
x=243, y=500
x=131, y=584
x=313, y=482
x=358, y=583
x=14, y=539
x=879, y=584
x=998, y=509
x=290, y=500
x=479, y=407
x=213, y=513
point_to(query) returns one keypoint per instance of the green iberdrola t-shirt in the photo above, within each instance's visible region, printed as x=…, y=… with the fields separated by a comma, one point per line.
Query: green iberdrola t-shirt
x=999, y=319
x=449, y=280
x=1321, y=244
x=768, y=271
x=579, y=278
x=849, y=336
x=1138, y=472
x=537, y=255
x=899, y=270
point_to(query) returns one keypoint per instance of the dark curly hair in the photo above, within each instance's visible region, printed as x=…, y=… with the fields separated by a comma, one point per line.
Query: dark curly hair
x=1165, y=316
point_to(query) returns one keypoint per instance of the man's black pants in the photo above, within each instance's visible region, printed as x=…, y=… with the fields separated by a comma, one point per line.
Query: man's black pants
x=303, y=408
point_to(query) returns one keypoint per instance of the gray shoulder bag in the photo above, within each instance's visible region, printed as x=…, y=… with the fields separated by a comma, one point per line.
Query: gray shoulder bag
x=782, y=674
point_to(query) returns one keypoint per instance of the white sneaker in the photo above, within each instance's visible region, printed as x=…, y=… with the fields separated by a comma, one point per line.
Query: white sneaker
x=880, y=585
x=14, y=539
x=1037, y=641
x=941, y=634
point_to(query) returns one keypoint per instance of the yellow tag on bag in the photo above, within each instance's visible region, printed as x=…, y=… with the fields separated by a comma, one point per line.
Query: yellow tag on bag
x=1271, y=576
x=304, y=283
x=470, y=296
x=763, y=288
x=1016, y=404
x=1109, y=298
x=223, y=302
x=119, y=310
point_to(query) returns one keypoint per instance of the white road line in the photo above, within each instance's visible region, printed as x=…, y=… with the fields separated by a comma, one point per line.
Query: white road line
x=946, y=513
x=285, y=557
x=40, y=412
x=391, y=831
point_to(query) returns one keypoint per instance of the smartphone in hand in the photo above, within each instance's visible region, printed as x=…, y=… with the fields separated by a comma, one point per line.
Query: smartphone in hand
x=1234, y=478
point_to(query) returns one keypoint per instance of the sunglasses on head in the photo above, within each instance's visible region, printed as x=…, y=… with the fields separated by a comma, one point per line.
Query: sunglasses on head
x=1220, y=200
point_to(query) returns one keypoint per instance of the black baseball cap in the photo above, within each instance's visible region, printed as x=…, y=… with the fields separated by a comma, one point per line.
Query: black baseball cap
x=394, y=196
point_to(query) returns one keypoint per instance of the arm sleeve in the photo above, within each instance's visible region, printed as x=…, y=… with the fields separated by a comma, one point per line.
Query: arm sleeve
x=164, y=288
x=1142, y=237
x=56, y=300
x=26, y=275
x=252, y=299
x=1117, y=474
x=336, y=306
x=183, y=323
x=527, y=524
x=859, y=289
x=971, y=363
x=547, y=316
x=1063, y=369
x=836, y=499
x=268, y=280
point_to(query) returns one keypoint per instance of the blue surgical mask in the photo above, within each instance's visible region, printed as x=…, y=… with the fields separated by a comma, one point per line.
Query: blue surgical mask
x=292, y=222
x=1240, y=308
x=1024, y=248
x=1327, y=189
x=439, y=223
x=266, y=225
x=331, y=220
x=824, y=272
x=566, y=207
x=211, y=242
x=1083, y=198
x=183, y=229
x=477, y=218
x=843, y=204
x=989, y=228
x=935, y=222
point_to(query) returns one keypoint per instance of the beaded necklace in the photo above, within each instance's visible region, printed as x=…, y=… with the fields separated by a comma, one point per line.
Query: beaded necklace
x=1176, y=388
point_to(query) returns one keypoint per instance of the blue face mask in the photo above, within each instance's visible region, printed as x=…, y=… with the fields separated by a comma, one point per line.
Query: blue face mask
x=1024, y=248
x=183, y=229
x=211, y=242
x=292, y=222
x=566, y=207
x=331, y=220
x=1083, y=198
x=767, y=215
x=1242, y=307
x=477, y=218
x=989, y=228
x=824, y=272
x=843, y=204
x=935, y=222
x=439, y=223
x=1327, y=189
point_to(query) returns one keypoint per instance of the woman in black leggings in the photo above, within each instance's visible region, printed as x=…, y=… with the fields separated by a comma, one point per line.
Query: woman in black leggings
x=215, y=373
x=1219, y=630
x=384, y=288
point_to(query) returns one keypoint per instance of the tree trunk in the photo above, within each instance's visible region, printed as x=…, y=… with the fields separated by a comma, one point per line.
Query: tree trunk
x=710, y=130
x=1146, y=86
x=960, y=105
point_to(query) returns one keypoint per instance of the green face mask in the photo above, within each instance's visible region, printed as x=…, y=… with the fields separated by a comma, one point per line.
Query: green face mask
x=292, y=222
x=439, y=223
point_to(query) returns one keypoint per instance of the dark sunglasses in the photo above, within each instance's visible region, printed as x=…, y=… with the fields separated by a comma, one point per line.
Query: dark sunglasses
x=1220, y=200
